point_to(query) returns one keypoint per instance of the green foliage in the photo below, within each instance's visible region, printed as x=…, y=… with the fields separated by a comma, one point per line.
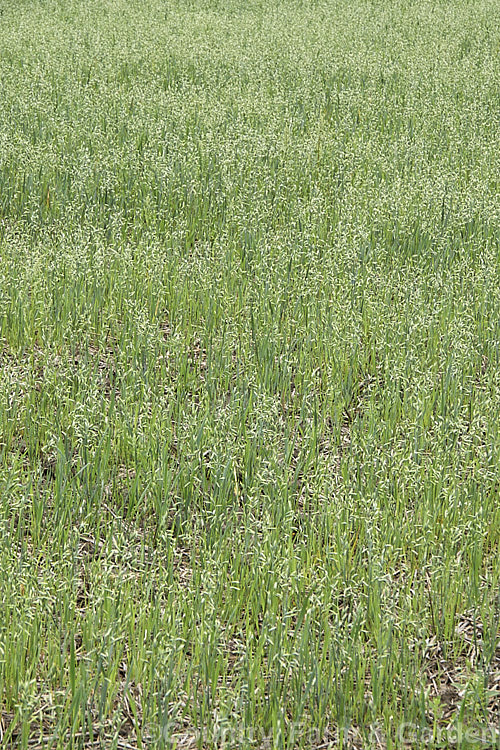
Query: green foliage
x=249, y=371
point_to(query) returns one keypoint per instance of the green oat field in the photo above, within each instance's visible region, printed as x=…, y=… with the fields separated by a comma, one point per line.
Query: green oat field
x=249, y=374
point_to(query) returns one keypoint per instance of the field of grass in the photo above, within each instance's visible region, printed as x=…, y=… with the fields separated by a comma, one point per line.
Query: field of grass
x=249, y=373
